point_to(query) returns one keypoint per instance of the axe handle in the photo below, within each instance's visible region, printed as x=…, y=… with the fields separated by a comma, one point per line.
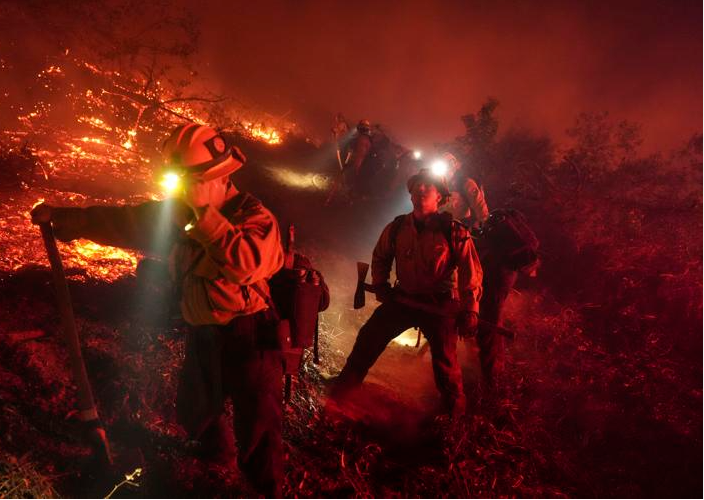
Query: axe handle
x=432, y=309
x=87, y=411
x=359, y=297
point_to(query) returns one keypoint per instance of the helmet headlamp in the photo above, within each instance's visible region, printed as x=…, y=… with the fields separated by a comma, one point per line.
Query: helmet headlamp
x=439, y=168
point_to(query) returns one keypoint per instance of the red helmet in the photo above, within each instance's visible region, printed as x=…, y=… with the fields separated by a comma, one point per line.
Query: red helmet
x=200, y=150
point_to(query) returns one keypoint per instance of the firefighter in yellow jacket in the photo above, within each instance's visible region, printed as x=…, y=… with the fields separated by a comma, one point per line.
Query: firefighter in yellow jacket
x=222, y=246
x=436, y=265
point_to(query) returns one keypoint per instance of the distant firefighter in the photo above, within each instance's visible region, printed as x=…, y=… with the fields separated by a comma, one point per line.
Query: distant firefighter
x=341, y=135
x=223, y=245
x=340, y=139
x=371, y=162
x=356, y=167
x=467, y=201
x=427, y=247
x=340, y=128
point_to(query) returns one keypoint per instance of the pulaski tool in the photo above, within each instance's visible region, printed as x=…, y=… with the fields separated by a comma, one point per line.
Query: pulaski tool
x=87, y=411
x=449, y=310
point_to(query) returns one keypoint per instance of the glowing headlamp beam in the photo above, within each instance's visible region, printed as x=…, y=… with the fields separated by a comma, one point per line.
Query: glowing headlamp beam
x=171, y=182
x=417, y=154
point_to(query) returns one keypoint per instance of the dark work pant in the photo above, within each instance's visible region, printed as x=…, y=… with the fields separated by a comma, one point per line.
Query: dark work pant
x=388, y=321
x=497, y=284
x=242, y=361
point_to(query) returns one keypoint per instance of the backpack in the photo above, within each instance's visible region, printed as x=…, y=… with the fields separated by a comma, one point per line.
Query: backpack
x=297, y=294
x=507, y=235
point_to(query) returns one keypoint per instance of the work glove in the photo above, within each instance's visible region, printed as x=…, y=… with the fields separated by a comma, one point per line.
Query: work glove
x=41, y=214
x=383, y=292
x=467, y=324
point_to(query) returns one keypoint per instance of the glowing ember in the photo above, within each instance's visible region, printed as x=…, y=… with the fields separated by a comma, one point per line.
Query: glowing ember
x=20, y=246
x=95, y=122
x=95, y=140
x=101, y=260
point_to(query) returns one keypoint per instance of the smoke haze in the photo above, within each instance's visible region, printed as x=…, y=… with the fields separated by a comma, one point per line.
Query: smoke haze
x=417, y=66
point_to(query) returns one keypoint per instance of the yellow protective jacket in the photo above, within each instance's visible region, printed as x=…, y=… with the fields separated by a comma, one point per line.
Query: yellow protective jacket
x=214, y=261
x=425, y=263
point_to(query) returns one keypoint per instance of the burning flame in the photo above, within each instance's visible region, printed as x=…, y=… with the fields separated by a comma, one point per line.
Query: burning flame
x=266, y=134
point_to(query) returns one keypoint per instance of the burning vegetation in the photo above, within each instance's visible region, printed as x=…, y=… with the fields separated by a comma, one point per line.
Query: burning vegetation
x=603, y=393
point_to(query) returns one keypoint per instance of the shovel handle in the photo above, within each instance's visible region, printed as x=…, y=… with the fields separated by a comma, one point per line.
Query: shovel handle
x=87, y=411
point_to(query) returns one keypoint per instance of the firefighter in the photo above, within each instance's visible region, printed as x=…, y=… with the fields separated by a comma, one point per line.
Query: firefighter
x=428, y=247
x=467, y=201
x=340, y=135
x=357, y=176
x=222, y=245
x=339, y=130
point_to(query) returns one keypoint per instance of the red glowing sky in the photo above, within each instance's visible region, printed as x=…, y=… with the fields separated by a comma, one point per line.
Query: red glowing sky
x=417, y=66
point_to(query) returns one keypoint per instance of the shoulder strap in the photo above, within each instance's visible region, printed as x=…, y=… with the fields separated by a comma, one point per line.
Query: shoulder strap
x=393, y=231
x=446, y=224
x=450, y=229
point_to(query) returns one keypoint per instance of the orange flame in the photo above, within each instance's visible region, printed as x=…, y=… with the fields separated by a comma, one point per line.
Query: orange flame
x=266, y=134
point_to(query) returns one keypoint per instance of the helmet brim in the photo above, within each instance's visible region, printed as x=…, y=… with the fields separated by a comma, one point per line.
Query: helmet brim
x=430, y=179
